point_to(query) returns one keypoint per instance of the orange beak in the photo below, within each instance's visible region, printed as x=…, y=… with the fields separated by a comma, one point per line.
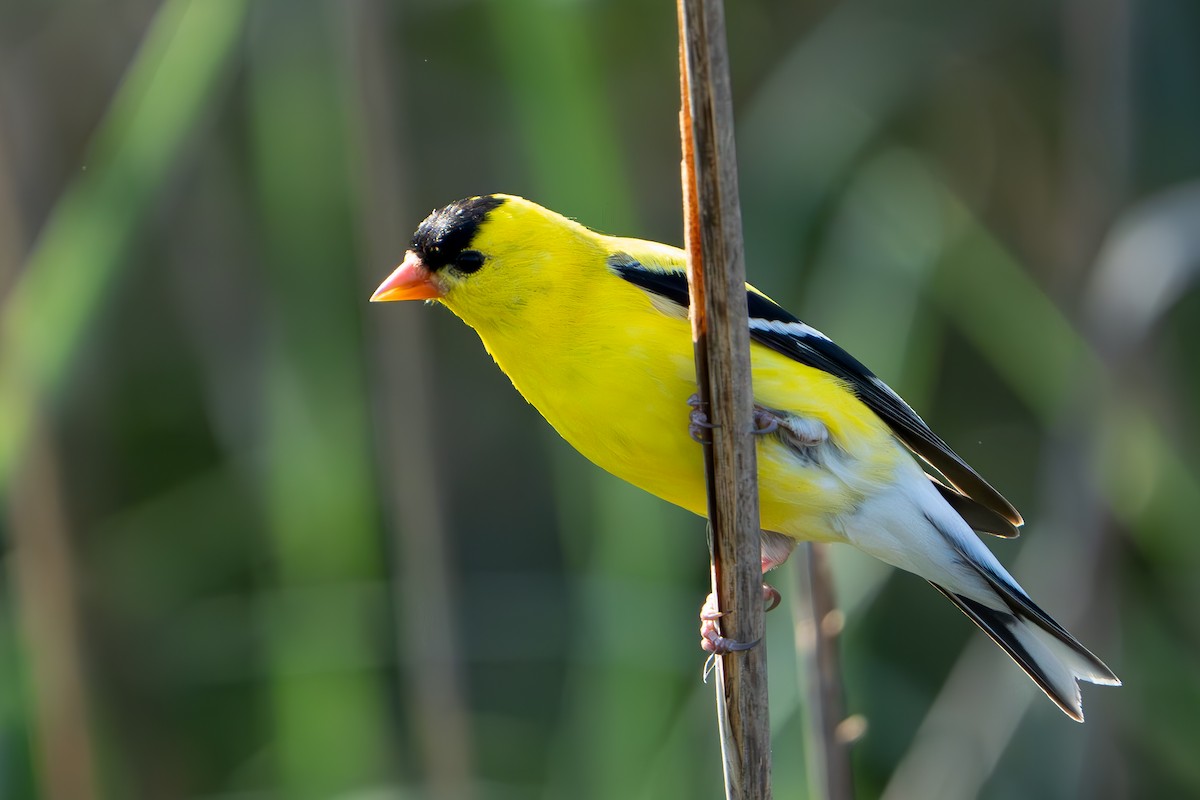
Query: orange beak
x=410, y=281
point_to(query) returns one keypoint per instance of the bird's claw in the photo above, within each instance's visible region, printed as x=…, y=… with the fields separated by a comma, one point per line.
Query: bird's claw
x=771, y=598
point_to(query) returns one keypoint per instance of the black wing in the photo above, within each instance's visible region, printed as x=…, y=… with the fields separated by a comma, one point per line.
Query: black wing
x=773, y=327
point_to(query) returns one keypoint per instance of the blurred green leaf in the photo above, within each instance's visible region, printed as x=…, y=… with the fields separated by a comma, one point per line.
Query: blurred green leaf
x=79, y=254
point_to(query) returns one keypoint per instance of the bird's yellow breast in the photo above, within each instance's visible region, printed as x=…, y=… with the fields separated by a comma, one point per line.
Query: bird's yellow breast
x=613, y=376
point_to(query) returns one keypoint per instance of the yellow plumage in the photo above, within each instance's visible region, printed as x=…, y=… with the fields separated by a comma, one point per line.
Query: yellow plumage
x=592, y=330
x=613, y=374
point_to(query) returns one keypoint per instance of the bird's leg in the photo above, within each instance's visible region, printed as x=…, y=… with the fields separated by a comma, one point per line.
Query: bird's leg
x=775, y=550
x=776, y=547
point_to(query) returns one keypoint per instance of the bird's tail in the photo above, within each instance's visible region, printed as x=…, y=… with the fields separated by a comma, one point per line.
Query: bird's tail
x=1053, y=658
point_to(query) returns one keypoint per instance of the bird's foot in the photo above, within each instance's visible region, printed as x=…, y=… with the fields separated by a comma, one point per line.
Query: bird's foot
x=799, y=433
x=711, y=640
x=766, y=421
x=698, y=422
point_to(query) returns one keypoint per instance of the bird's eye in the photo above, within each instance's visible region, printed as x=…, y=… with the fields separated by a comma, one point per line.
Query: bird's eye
x=469, y=261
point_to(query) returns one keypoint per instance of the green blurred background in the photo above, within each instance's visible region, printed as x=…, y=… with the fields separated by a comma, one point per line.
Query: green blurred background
x=263, y=540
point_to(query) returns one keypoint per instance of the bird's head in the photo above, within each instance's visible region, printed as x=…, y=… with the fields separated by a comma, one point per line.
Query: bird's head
x=489, y=259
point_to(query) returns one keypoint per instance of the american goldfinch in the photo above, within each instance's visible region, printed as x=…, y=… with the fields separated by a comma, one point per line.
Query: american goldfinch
x=593, y=331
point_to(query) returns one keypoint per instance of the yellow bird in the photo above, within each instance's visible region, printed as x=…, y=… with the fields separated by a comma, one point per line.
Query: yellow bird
x=593, y=331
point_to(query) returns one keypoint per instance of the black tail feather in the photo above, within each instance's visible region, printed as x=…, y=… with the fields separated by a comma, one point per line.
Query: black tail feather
x=1072, y=662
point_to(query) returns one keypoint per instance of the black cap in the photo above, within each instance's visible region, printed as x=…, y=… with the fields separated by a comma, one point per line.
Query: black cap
x=447, y=232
